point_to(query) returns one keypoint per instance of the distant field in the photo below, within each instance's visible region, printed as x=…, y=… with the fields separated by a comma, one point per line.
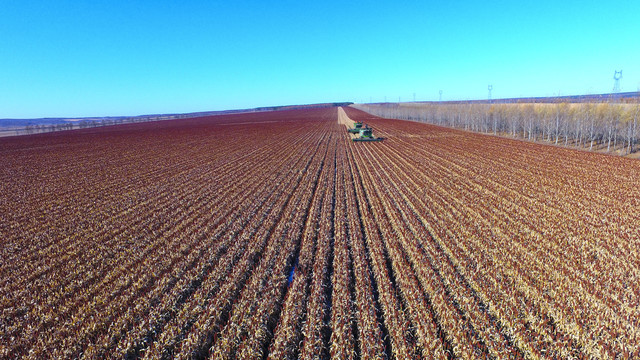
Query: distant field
x=16, y=127
x=280, y=238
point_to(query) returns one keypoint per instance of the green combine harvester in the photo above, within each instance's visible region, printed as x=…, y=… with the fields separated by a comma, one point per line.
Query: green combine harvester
x=356, y=127
x=366, y=134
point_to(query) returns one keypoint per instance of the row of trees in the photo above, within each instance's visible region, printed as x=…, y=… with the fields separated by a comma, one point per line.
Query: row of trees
x=596, y=126
x=40, y=128
x=82, y=124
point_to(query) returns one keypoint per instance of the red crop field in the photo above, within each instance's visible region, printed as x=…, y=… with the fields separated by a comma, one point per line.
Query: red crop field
x=274, y=236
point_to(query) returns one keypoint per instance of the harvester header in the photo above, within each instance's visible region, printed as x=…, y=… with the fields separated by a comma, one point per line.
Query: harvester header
x=365, y=134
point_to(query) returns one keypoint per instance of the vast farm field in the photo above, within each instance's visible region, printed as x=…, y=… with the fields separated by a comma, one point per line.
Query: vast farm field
x=274, y=236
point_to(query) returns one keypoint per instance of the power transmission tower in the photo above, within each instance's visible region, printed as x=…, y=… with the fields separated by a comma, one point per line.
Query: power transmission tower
x=617, y=75
x=440, y=95
x=490, y=87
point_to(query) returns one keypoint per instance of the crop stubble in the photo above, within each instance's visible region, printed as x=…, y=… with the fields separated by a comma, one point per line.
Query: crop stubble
x=280, y=238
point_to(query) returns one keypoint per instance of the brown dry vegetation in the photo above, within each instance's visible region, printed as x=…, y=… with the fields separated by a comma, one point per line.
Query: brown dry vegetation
x=280, y=238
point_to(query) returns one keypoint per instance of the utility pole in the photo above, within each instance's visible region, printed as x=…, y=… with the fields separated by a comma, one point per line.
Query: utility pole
x=617, y=75
x=440, y=95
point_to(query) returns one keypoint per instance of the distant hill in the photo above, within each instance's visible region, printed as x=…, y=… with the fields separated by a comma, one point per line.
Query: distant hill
x=622, y=97
x=572, y=98
x=26, y=122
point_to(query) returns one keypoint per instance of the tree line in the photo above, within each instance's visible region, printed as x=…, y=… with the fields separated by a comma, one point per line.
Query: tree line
x=82, y=124
x=606, y=126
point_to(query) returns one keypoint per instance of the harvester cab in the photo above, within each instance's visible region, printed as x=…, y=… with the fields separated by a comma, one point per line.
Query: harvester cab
x=356, y=127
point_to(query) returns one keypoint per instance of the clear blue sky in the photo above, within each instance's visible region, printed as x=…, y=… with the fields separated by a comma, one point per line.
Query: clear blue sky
x=64, y=58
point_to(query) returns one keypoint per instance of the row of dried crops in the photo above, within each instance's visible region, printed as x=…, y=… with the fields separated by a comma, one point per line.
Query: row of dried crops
x=540, y=240
x=272, y=235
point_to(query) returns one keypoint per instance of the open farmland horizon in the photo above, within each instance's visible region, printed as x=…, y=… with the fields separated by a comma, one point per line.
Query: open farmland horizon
x=15, y=127
x=274, y=235
x=28, y=126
